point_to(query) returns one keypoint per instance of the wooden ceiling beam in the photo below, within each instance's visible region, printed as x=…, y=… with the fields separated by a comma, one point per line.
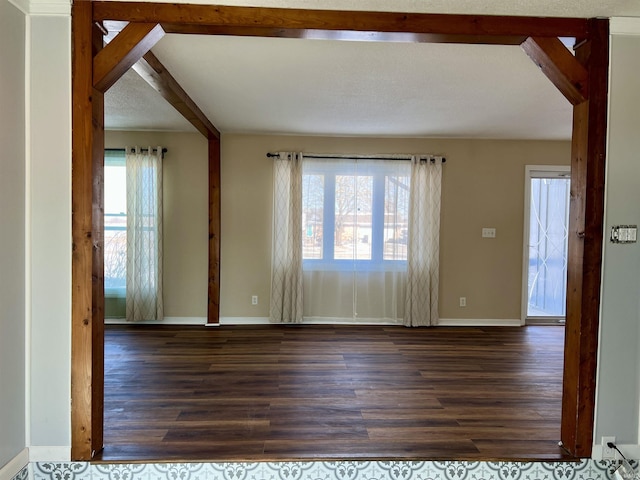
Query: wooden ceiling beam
x=123, y=52
x=560, y=66
x=358, y=36
x=159, y=78
x=333, y=22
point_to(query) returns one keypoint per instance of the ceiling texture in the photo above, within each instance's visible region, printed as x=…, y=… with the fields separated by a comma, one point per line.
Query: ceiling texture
x=350, y=88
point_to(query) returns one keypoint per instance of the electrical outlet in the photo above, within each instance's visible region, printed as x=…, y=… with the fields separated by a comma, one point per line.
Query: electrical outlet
x=254, y=299
x=608, y=453
x=463, y=301
x=488, y=233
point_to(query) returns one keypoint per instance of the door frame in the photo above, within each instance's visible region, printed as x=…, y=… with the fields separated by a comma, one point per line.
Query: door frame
x=528, y=169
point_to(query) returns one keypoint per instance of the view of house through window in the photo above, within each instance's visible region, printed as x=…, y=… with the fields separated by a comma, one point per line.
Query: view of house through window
x=115, y=224
x=354, y=211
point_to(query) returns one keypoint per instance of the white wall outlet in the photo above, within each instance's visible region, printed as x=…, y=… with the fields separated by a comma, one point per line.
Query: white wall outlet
x=254, y=299
x=488, y=233
x=608, y=453
x=463, y=301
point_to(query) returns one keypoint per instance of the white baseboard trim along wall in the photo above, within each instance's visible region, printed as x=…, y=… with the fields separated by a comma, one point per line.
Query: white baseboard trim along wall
x=443, y=322
x=479, y=322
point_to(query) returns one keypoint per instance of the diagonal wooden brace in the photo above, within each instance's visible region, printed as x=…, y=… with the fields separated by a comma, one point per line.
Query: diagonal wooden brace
x=560, y=66
x=129, y=46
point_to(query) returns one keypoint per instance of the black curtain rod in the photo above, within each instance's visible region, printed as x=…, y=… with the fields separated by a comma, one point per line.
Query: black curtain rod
x=273, y=155
x=164, y=150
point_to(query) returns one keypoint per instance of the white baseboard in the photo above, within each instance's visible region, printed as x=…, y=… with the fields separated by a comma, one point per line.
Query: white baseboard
x=15, y=465
x=244, y=321
x=305, y=321
x=629, y=450
x=346, y=321
x=479, y=322
x=49, y=454
x=443, y=322
x=164, y=321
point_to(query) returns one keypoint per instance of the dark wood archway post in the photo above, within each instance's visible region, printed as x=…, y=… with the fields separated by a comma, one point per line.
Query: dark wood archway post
x=87, y=272
x=213, y=303
x=585, y=244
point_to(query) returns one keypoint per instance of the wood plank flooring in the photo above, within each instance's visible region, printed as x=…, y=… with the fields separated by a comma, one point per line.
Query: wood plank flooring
x=332, y=392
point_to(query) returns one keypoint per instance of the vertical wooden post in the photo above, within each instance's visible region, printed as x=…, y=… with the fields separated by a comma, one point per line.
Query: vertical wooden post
x=213, y=308
x=86, y=310
x=585, y=245
x=97, y=294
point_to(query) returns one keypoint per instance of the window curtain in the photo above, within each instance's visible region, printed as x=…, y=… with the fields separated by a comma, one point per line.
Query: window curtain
x=286, y=275
x=423, y=249
x=358, y=275
x=144, y=234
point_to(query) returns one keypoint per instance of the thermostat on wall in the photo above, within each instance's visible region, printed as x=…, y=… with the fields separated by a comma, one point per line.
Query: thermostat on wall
x=624, y=233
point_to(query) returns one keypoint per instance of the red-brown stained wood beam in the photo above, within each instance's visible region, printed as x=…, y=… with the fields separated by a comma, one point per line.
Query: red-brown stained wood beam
x=123, y=52
x=156, y=75
x=213, y=304
x=560, y=66
x=83, y=406
x=195, y=16
x=97, y=288
x=341, y=35
x=586, y=214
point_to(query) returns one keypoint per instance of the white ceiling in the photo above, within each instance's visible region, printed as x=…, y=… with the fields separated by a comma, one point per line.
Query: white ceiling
x=324, y=87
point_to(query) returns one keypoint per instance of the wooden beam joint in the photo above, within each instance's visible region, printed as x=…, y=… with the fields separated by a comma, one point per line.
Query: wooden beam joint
x=129, y=46
x=560, y=66
x=158, y=77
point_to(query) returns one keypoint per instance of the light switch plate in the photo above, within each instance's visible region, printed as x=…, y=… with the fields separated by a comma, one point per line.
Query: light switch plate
x=624, y=234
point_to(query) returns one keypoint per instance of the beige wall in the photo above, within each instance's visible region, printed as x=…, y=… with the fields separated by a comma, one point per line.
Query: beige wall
x=483, y=186
x=186, y=216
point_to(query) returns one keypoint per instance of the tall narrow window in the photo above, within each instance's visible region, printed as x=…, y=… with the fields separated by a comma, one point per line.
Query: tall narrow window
x=115, y=233
x=546, y=230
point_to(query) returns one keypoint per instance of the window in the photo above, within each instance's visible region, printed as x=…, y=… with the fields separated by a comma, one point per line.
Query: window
x=115, y=224
x=355, y=211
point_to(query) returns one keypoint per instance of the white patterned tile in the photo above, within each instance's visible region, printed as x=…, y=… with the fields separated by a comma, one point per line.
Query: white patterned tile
x=334, y=470
x=61, y=471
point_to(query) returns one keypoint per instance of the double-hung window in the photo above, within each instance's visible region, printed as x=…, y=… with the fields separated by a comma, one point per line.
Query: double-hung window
x=355, y=221
x=355, y=212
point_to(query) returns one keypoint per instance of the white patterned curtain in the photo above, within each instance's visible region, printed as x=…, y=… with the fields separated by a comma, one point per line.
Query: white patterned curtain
x=286, y=275
x=423, y=249
x=144, y=234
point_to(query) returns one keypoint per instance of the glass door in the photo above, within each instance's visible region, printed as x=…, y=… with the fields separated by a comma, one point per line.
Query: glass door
x=545, y=252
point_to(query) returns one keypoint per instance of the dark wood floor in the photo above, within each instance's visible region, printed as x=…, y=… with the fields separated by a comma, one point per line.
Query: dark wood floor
x=329, y=392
